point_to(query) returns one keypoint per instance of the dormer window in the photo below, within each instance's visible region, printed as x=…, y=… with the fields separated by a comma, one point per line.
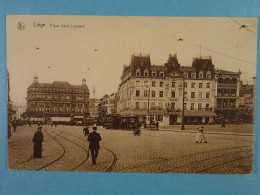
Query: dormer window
x=154, y=74
x=186, y=75
x=193, y=75
x=146, y=73
x=138, y=73
x=161, y=74
x=208, y=75
x=201, y=75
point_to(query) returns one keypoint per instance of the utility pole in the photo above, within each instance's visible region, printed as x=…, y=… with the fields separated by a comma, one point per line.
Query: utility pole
x=183, y=88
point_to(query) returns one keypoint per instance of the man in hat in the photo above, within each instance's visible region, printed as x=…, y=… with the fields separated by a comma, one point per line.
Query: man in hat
x=86, y=130
x=37, y=143
x=94, y=138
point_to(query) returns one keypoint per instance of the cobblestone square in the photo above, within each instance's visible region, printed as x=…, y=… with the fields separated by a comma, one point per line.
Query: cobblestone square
x=65, y=148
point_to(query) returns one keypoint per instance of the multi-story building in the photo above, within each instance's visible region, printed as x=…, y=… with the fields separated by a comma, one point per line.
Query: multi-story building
x=108, y=103
x=227, y=99
x=199, y=93
x=155, y=92
x=57, y=101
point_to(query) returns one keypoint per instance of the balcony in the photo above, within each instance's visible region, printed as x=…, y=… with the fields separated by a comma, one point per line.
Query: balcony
x=227, y=85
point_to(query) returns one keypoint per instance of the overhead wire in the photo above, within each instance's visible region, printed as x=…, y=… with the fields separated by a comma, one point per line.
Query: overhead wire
x=190, y=43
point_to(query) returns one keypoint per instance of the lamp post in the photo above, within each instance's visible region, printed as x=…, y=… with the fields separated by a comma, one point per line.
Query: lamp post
x=148, y=102
x=183, y=87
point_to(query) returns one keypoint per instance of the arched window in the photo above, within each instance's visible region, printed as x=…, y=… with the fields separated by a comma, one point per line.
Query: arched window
x=201, y=76
x=208, y=75
x=186, y=75
x=146, y=72
x=161, y=73
x=193, y=75
x=138, y=72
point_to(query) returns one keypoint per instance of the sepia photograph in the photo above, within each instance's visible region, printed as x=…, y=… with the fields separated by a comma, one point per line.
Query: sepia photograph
x=133, y=94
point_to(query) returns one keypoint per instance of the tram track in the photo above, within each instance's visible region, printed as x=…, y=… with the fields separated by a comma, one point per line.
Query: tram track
x=110, y=168
x=194, y=155
x=207, y=159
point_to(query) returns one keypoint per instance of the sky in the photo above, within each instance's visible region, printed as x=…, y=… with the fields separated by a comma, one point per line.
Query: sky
x=97, y=47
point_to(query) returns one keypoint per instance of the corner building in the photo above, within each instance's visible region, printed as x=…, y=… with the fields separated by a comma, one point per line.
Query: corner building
x=58, y=101
x=155, y=92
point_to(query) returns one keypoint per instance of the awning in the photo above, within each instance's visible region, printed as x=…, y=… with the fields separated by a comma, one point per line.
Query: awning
x=78, y=117
x=199, y=113
x=36, y=119
x=60, y=119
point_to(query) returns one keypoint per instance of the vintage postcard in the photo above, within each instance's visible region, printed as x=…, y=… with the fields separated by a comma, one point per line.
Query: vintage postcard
x=131, y=94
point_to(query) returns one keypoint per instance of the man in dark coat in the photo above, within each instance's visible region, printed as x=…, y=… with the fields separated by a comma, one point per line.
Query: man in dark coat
x=14, y=125
x=37, y=143
x=94, y=138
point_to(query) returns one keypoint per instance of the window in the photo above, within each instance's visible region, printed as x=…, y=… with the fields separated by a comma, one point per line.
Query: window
x=185, y=94
x=161, y=84
x=200, y=85
x=193, y=75
x=200, y=95
x=161, y=94
x=137, y=93
x=153, y=93
x=153, y=74
x=186, y=75
x=138, y=73
x=160, y=118
x=153, y=105
x=172, y=106
x=208, y=85
x=201, y=75
x=153, y=83
x=173, y=84
x=160, y=104
x=192, y=95
x=162, y=74
x=192, y=106
x=146, y=73
x=137, y=83
x=192, y=85
x=199, y=106
x=207, y=94
x=136, y=105
x=208, y=76
x=145, y=105
x=185, y=106
x=173, y=94
x=207, y=107
x=185, y=84
x=145, y=93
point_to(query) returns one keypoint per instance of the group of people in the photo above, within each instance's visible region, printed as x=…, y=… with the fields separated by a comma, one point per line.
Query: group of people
x=93, y=138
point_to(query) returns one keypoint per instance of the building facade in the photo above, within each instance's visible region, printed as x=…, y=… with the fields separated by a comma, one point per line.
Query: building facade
x=108, y=103
x=227, y=99
x=93, y=107
x=58, y=101
x=155, y=92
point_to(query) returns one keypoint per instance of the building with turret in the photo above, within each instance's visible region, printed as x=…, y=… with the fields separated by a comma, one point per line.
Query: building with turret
x=58, y=101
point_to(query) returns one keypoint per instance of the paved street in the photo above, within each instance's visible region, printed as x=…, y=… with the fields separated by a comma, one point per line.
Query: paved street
x=165, y=151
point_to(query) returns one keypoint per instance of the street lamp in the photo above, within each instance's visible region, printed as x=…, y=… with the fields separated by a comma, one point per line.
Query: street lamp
x=148, y=102
x=183, y=87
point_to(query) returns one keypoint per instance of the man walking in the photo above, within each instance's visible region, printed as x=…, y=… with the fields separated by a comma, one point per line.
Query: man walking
x=94, y=138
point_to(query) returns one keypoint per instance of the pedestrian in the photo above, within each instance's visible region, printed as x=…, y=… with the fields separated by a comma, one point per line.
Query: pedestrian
x=14, y=125
x=223, y=124
x=94, y=138
x=86, y=130
x=37, y=143
x=157, y=125
x=9, y=130
x=200, y=135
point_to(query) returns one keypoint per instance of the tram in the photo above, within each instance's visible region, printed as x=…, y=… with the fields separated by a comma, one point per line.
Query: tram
x=121, y=122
